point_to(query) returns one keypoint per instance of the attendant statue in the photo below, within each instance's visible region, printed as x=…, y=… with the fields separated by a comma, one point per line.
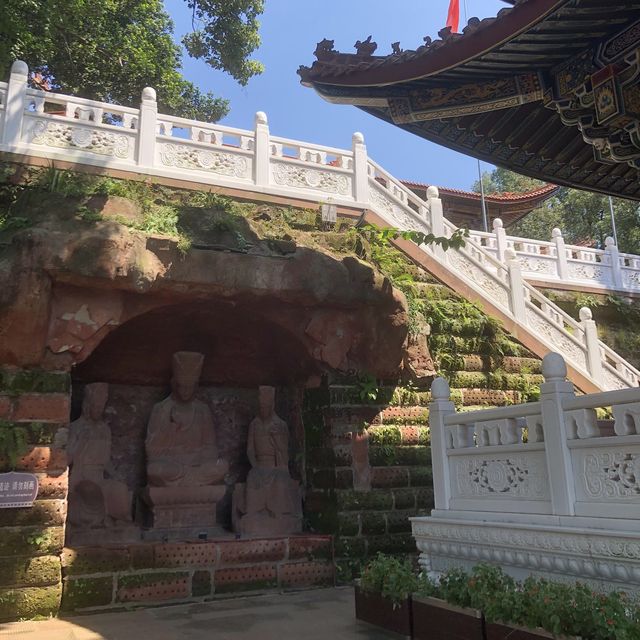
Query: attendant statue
x=96, y=499
x=269, y=503
x=185, y=475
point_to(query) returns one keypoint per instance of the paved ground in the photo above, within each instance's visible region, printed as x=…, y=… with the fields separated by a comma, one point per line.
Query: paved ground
x=322, y=614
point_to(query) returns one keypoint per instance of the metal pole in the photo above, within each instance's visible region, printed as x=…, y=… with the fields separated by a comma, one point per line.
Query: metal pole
x=484, y=205
x=613, y=221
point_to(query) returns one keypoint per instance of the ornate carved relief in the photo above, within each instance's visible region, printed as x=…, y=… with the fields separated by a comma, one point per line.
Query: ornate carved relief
x=612, y=474
x=557, y=337
x=512, y=477
x=292, y=175
x=399, y=218
x=495, y=290
x=578, y=271
x=54, y=134
x=186, y=157
x=538, y=265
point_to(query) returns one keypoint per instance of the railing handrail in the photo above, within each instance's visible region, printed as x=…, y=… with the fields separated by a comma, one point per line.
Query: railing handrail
x=255, y=164
x=498, y=413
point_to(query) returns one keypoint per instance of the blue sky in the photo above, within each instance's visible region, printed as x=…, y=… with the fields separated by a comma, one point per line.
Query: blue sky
x=290, y=30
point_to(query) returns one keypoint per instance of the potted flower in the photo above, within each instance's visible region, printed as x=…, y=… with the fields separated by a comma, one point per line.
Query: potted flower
x=446, y=611
x=383, y=594
x=538, y=608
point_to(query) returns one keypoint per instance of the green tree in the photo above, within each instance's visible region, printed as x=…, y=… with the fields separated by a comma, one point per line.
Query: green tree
x=584, y=217
x=110, y=50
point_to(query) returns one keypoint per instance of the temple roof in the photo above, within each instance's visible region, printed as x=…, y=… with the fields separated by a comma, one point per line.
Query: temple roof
x=547, y=88
x=464, y=207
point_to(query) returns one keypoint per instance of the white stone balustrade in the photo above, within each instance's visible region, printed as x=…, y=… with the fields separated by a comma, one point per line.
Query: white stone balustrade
x=556, y=263
x=37, y=124
x=542, y=487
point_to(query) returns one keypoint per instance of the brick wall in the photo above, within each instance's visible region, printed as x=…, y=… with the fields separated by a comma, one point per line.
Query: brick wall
x=33, y=405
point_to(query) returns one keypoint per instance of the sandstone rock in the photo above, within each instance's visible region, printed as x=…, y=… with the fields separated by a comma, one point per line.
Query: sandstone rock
x=116, y=208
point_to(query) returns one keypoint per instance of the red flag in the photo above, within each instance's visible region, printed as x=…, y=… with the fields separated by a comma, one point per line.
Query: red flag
x=453, y=17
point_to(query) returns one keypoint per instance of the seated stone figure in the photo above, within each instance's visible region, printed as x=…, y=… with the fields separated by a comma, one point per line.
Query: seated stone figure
x=185, y=476
x=270, y=502
x=95, y=499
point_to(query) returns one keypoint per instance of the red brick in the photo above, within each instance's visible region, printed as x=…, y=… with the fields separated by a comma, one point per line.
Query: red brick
x=310, y=547
x=52, y=487
x=154, y=590
x=41, y=459
x=306, y=574
x=6, y=407
x=252, y=551
x=402, y=414
x=410, y=435
x=196, y=554
x=385, y=477
x=241, y=578
x=46, y=407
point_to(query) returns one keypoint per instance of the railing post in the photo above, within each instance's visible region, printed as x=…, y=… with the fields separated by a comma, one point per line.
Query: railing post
x=360, y=169
x=594, y=358
x=501, y=238
x=16, y=103
x=436, y=214
x=516, y=286
x=261, y=149
x=561, y=255
x=439, y=407
x=611, y=249
x=553, y=391
x=147, y=128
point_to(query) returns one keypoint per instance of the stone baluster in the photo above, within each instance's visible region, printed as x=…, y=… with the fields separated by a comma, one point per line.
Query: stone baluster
x=261, y=151
x=553, y=391
x=516, y=286
x=16, y=100
x=611, y=250
x=501, y=238
x=360, y=169
x=147, y=126
x=562, y=267
x=594, y=357
x=440, y=407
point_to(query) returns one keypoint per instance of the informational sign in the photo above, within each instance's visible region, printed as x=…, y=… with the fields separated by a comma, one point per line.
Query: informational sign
x=17, y=489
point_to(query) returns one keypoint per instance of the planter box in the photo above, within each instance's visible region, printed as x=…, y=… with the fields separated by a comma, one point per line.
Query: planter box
x=498, y=631
x=435, y=619
x=374, y=609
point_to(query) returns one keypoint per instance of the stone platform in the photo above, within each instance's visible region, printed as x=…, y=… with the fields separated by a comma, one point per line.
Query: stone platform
x=114, y=577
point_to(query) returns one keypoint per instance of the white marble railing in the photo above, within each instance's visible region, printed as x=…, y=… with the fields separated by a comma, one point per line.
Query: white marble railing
x=142, y=141
x=555, y=263
x=559, y=500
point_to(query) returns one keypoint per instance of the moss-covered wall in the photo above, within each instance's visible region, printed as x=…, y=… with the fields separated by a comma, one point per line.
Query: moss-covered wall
x=33, y=405
x=617, y=318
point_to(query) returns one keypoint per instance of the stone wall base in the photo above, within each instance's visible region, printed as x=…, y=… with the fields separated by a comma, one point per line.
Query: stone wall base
x=103, y=578
x=566, y=549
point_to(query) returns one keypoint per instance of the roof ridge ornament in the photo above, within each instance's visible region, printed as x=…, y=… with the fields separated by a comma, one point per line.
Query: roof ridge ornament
x=365, y=48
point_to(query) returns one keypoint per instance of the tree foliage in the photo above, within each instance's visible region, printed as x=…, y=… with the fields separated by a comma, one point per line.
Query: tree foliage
x=584, y=217
x=110, y=50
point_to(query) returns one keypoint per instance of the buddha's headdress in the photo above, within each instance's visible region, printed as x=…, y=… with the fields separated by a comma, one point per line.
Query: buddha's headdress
x=187, y=365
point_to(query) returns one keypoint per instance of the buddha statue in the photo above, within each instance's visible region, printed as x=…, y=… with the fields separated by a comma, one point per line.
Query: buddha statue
x=269, y=503
x=185, y=475
x=96, y=498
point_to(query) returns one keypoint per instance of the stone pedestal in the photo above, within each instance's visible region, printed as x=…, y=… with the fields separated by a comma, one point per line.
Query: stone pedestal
x=183, y=513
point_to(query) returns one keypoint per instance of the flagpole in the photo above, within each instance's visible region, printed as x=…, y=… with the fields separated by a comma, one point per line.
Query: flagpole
x=485, y=223
x=613, y=221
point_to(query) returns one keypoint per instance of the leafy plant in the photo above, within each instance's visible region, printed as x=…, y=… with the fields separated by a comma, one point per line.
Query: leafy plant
x=390, y=577
x=385, y=235
x=367, y=387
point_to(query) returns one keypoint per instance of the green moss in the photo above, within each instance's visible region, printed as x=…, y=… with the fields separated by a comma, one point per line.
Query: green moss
x=30, y=572
x=347, y=547
x=399, y=543
x=420, y=476
x=373, y=523
x=16, y=604
x=201, y=583
x=384, y=435
x=375, y=500
x=95, y=560
x=29, y=541
x=252, y=585
x=45, y=513
x=348, y=523
x=33, y=381
x=398, y=522
x=82, y=593
x=424, y=436
x=404, y=498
